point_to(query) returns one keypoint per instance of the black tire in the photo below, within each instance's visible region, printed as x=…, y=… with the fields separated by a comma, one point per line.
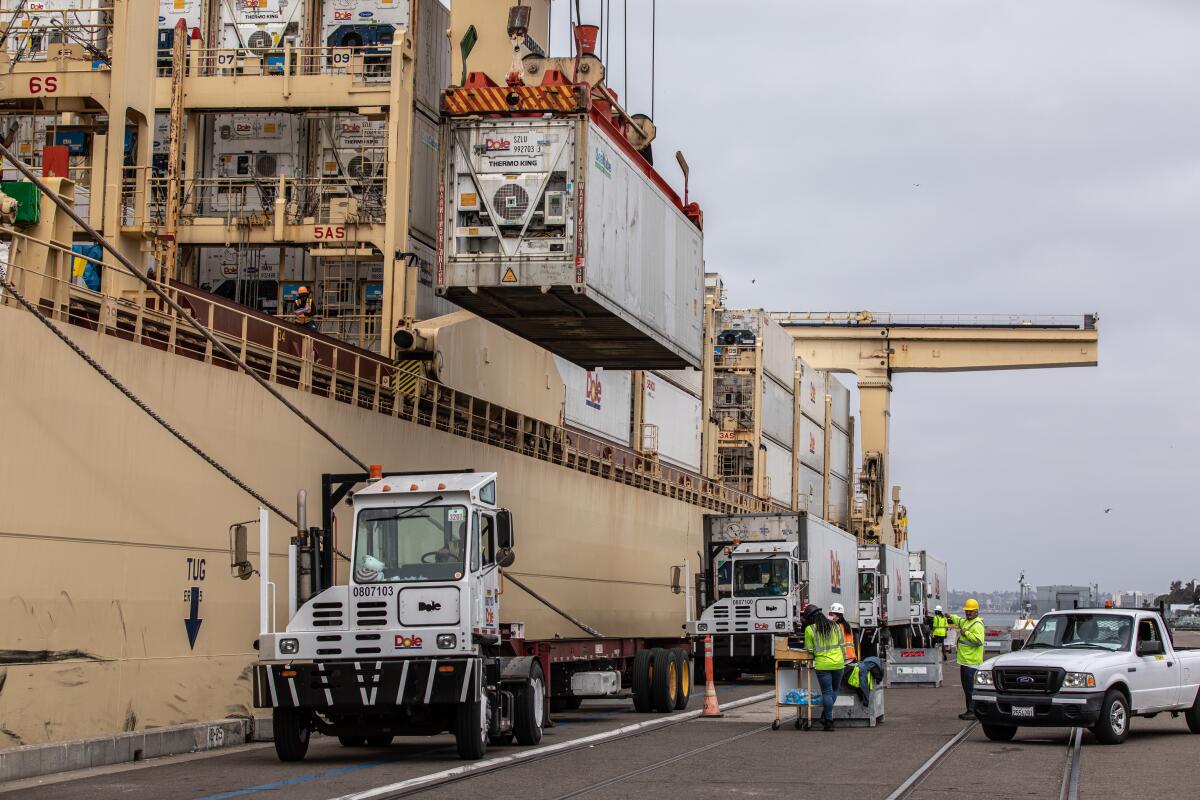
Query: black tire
x=664, y=680
x=683, y=687
x=530, y=708
x=380, y=740
x=1192, y=715
x=470, y=730
x=639, y=682
x=1000, y=733
x=290, y=727
x=352, y=741
x=1113, y=725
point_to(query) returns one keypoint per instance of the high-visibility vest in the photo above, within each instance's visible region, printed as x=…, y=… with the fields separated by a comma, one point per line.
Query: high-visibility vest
x=971, y=637
x=939, y=624
x=827, y=652
x=851, y=652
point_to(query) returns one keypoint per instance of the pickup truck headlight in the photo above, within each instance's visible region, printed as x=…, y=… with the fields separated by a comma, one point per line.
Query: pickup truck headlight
x=983, y=677
x=1079, y=680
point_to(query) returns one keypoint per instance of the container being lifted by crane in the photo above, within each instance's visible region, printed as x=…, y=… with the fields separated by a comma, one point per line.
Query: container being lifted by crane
x=555, y=225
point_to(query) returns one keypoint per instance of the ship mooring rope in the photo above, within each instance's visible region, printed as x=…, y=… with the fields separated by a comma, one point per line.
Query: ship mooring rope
x=137, y=401
x=24, y=169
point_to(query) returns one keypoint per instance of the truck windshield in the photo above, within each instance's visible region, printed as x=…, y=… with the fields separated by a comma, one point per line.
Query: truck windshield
x=866, y=586
x=398, y=544
x=916, y=592
x=1085, y=631
x=760, y=577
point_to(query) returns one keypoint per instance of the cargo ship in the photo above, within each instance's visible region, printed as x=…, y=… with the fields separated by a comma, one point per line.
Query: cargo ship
x=304, y=149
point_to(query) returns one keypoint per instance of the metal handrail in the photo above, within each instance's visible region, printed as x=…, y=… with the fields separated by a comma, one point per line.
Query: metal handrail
x=318, y=365
x=889, y=319
x=365, y=63
x=53, y=29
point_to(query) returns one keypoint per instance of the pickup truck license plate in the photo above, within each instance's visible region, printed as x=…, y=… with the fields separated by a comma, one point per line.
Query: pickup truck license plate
x=1022, y=711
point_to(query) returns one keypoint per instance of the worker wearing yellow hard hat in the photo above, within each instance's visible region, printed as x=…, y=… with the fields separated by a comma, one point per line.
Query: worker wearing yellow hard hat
x=971, y=636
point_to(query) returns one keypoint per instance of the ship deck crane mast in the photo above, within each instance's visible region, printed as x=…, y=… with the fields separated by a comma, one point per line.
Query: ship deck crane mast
x=876, y=346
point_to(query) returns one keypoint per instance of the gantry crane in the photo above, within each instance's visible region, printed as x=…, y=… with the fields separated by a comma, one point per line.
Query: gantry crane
x=875, y=346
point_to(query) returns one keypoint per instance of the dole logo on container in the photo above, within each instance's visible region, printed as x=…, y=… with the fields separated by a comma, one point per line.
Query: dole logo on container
x=835, y=572
x=595, y=389
x=491, y=145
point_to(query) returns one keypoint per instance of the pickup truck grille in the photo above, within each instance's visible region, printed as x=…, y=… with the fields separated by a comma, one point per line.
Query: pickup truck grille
x=1028, y=681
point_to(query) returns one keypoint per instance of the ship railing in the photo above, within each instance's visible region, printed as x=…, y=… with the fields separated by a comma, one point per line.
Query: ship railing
x=320, y=365
x=890, y=320
x=368, y=63
x=334, y=200
x=64, y=35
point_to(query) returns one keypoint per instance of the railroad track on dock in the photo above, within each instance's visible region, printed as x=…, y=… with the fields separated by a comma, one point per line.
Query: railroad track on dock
x=1068, y=788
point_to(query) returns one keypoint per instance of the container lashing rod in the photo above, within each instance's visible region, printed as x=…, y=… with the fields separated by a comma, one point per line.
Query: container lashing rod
x=180, y=312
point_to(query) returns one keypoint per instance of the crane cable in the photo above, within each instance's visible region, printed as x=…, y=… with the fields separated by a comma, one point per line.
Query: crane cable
x=24, y=169
x=137, y=401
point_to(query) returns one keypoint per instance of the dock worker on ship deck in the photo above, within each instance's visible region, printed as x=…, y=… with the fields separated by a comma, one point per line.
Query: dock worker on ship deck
x=303, y=308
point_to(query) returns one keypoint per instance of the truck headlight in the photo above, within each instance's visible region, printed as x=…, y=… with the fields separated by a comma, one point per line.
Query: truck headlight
x=983, y=677
x=289, y=647
x=446, y=641
x=701, y=626
x=1079, y=680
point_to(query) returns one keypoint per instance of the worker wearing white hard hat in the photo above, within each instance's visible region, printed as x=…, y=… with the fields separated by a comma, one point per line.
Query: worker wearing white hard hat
x=837, y=614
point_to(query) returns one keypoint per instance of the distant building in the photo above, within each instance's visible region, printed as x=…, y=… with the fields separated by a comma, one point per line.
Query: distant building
x=1131, y=599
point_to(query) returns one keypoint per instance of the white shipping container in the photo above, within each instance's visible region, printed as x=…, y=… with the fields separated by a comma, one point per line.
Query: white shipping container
x=690, y=380
x=840, y=406
x=811, y=448
x=677, y=417
x=355, y=23
x=812, y=487
x=251, y=151
x=598, y=401
x=429, y=304
x=432, y=56
x=219, y=264
x=839, y=453
x=935, y=576
x=32, y=29
x=812, y=392
x=564, y=236
x=778, y=413
x=423, y=181
x=839, y=502
x=779, y=352
x=260, y=25
x=171, y=11
x=779, y=472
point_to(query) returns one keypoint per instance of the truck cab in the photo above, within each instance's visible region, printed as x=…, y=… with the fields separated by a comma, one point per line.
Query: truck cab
x=764, y=578
x=883, y=595
x=411, y=645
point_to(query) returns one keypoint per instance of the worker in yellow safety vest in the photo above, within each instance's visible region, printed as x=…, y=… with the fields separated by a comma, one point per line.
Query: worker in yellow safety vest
x=938, y=628
x=971, y=637
x=837, y=613
x=823, y=638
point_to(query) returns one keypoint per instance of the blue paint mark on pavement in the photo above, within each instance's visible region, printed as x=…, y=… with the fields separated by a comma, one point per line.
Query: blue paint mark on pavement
x=315, y=776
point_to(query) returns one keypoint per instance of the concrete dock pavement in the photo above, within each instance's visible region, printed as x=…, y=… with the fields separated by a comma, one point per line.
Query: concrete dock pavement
x=737, y=755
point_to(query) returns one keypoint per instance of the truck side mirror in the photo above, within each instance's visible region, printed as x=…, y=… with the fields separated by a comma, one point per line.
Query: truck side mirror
x=1153, y=647
x=504, y=538
x=239, y=555
x=676, y=579
x=883, y=584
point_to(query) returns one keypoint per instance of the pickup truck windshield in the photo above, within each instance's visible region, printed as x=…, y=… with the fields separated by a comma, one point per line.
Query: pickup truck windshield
x=1082, y=631
x=397, y=544
x=760, y=577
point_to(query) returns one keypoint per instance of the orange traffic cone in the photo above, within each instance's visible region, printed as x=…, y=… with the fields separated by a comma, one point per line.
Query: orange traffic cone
x=711, y=707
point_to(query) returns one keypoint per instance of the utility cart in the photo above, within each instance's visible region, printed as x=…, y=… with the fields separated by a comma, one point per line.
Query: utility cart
x=793, y=682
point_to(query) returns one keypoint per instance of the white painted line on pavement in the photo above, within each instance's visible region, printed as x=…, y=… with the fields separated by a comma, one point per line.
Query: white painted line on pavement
x=521, y=755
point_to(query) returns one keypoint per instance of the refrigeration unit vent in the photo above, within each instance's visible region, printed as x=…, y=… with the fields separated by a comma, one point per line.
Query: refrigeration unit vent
x=511, y=202
x=360, y=167
x=266, y=166
x=259, y=40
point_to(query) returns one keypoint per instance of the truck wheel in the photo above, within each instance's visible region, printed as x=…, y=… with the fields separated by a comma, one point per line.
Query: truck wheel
x=290, y=726
x=1113, y=725
x=664, y=680
x=471, y=730
x=382, y=740
x=643, y=699
x=1000, y=733
x=352, y=741
x=1192, y=715
x=530, y=708
x=683, y=689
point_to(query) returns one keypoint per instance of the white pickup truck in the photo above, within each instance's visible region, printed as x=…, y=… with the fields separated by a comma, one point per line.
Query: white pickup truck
x=1089, y=668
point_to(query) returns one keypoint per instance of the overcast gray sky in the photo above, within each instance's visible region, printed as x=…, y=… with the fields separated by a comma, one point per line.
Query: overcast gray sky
x=1057, y=148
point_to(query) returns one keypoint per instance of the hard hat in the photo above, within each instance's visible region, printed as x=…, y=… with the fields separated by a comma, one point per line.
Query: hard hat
x=837, y=608
x=302, y=290
x=971, y=605
x=937, y=608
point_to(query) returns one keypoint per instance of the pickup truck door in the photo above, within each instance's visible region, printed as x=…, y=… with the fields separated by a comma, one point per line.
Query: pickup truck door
x=1156, y=681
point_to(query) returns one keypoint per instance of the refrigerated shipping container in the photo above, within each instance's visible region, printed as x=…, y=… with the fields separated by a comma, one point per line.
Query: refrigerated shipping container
x=839, y=403
x=930, y=585
x=598, y=402
x=838, y=496
x=778, y=414
x=811, y=449
x=749, y=326
x=811, y=490
x=831, y=553
x=812, y=392
x=263, y=26
x=839, y=452
x=779, y=472
x=677, y=419
x=555, y=229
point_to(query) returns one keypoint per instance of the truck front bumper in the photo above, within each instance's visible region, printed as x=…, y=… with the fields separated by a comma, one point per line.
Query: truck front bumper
x=1060, y=710
x=342, y=684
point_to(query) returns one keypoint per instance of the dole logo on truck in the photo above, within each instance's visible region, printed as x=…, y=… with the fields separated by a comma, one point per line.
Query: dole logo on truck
x=835, y=573
x=407, y=642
